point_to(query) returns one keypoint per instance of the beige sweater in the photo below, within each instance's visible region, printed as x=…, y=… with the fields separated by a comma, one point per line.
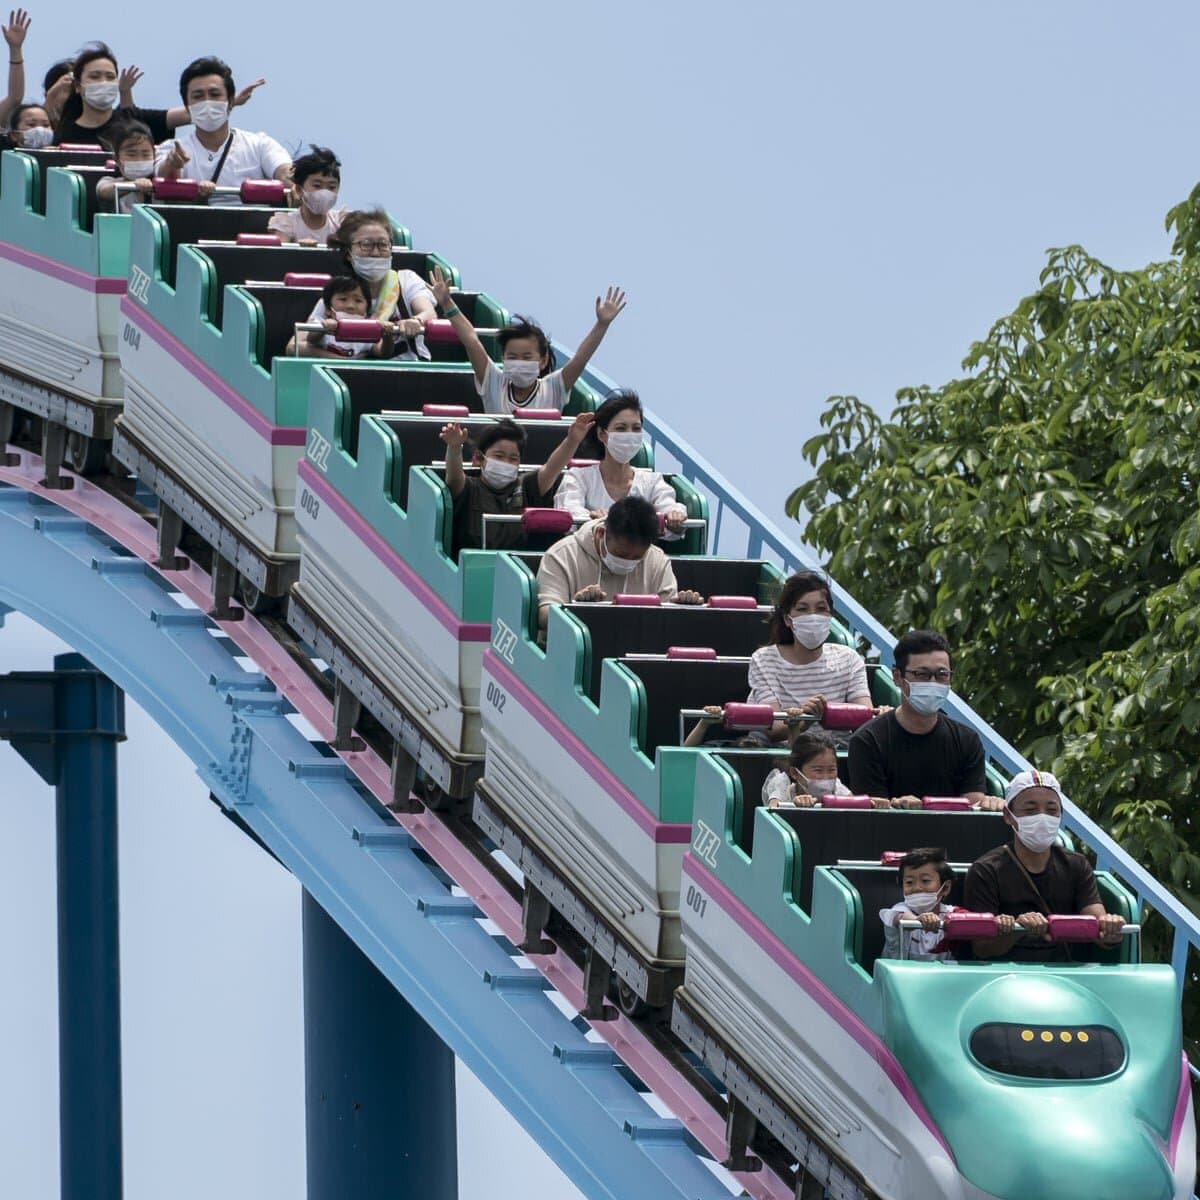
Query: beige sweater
x=573, y=564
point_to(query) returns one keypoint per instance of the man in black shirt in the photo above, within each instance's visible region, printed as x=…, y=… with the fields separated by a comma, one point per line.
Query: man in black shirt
x=915, y=750
x=1026, y=880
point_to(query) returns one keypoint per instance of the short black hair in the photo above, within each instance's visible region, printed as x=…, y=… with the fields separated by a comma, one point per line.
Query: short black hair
x=526, y=327
x=16, y=114
x=926, y=856
x=127, y=131
x=918, y=641
x=208, y=65
x=634, y=519
x=72, y=108
x=797, y=585
x=319, y=161
x=617, y=402
x=504, y=430
x=345, y=283
x=56, y=71
x=808, y=744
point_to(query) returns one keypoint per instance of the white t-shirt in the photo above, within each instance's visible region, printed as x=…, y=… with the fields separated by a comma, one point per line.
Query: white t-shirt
x=921, y=942
x=412, y=289
x=548, y=392
x=583, y=489
x=781, y=787
x=251, y=156
x=291, y=227
x=839, y=675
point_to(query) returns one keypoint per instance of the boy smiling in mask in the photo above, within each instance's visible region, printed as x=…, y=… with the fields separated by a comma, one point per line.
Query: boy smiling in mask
x=916, y=750
x=1027, y=879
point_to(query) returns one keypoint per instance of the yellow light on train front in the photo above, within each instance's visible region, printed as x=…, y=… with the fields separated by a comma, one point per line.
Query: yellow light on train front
x=1027, y=1035
x=1047, y=1036
x=1065, y=1035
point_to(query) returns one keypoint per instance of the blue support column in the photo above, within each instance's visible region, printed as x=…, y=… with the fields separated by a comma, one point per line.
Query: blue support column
x=66, y=725
x=379, y=1082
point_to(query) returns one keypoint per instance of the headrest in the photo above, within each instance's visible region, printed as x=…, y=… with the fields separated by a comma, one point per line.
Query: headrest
x=440, y=333
x=176, y=189
x=359, y=329
x=962, y=925
x=262, y=191
x=547, y=520
x=259, y=239
x=306, y=279
x=749, y=716
x=696, y=652
x=845, y=801
x=445, y=410
x=632, y=598
x=892, y=858
x=538, y=414
x=846, y=716
x=945, y=803
x=1067, y=928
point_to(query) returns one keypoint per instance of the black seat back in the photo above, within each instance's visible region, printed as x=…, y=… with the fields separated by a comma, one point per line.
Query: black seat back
x=674, y=684
x=724, y=577
x=374, y=389
x=191, y=223
x=53, y=157
x=752, y=767
x=282, y=308
x=617, y=630
x=878, y=889
x=827, y=835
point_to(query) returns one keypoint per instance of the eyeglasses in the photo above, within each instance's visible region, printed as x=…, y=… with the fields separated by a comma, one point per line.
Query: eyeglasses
x=941, y=675
x=377, y=246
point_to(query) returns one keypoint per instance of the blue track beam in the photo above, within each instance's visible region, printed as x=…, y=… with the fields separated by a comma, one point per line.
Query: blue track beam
x=380, y=1109
x=66, y=725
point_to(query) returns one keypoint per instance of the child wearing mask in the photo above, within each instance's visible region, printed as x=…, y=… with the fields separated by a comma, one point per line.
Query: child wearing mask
x=926, y=878
x=316, y=178
x=588, y=492
x=31, y=129
x=347, y=298
x=810, y=773
x=524, y=378
x=500, y=487
x=133, y=152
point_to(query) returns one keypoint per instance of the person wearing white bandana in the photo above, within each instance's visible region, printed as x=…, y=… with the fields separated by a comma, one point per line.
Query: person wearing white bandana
x=925, y=878
x=603, y=558
x=799, y=670
x=1031, y=877
x=211, y=151
x=916, y=750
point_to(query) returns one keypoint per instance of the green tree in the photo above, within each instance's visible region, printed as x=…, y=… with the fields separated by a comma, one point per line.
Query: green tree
x=1042, y=511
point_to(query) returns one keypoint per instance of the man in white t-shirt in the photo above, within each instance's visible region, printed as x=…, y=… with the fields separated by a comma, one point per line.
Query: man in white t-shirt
x=209, y=150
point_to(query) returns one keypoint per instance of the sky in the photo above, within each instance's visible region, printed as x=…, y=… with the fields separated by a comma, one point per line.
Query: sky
x=800, y=200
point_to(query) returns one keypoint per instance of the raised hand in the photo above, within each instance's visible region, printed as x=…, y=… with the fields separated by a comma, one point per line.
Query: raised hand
x=439, y=285
x=608, y=308
x=175, y=160
x=579, y=427
x=454, y=435
x=245, y=93
x=127, y=81
x=16, y=29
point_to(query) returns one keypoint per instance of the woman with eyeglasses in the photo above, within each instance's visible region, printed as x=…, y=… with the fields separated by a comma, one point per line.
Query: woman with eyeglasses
x=399, y=298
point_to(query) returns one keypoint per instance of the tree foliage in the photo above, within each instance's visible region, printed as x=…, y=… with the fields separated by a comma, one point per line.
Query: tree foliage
x=1042, y=511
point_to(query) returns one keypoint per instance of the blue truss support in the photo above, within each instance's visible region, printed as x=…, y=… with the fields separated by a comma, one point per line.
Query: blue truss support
x=573, y=1098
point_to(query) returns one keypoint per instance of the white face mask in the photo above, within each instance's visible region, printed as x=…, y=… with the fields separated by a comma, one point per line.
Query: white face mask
x=927, y=698
x=209, y=115
x=922, y=902
x=370, y=269
x=619, y=566
x=498, y=474
x=101, y=95
x=822, y=787
x=319, y=201
x=521, y=372
x=1038, y=832
x=37, y=138
x=138, y=169
x=811, y=630
x=623, y=446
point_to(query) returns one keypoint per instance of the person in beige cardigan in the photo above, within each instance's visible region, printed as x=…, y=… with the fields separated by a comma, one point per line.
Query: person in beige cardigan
x=605, y=557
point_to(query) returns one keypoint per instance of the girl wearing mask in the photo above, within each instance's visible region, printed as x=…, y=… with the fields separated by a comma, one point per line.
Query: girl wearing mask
x=811, y=773
x=316, y=178
x=133, y=151
x=31, y=128
x=524, y=377
x=587, y=492
x=399, y=297
x=798, y=671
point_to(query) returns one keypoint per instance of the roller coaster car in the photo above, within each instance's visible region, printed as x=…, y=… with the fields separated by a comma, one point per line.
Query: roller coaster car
x=963, y=1081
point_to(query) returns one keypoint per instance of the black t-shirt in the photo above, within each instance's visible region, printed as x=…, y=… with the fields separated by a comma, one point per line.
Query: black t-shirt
x=886, y=760
x=477, y=498
x=995, y=883
x=75, y=134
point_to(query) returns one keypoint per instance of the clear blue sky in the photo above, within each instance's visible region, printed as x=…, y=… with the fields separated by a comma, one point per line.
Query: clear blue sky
x=800, y=200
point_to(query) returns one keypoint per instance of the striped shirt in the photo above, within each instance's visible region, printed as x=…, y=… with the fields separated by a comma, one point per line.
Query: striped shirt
x=839, y=675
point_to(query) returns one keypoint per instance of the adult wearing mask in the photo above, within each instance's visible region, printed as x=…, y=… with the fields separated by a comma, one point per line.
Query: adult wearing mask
x=916, y=750
x=95, y=103
x=588, y=492
x=211, y=151
x=1027, y=879
x=398, y=297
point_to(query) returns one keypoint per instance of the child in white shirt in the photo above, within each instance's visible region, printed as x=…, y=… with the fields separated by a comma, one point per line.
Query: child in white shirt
x=347, y=298
x=926, y=878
